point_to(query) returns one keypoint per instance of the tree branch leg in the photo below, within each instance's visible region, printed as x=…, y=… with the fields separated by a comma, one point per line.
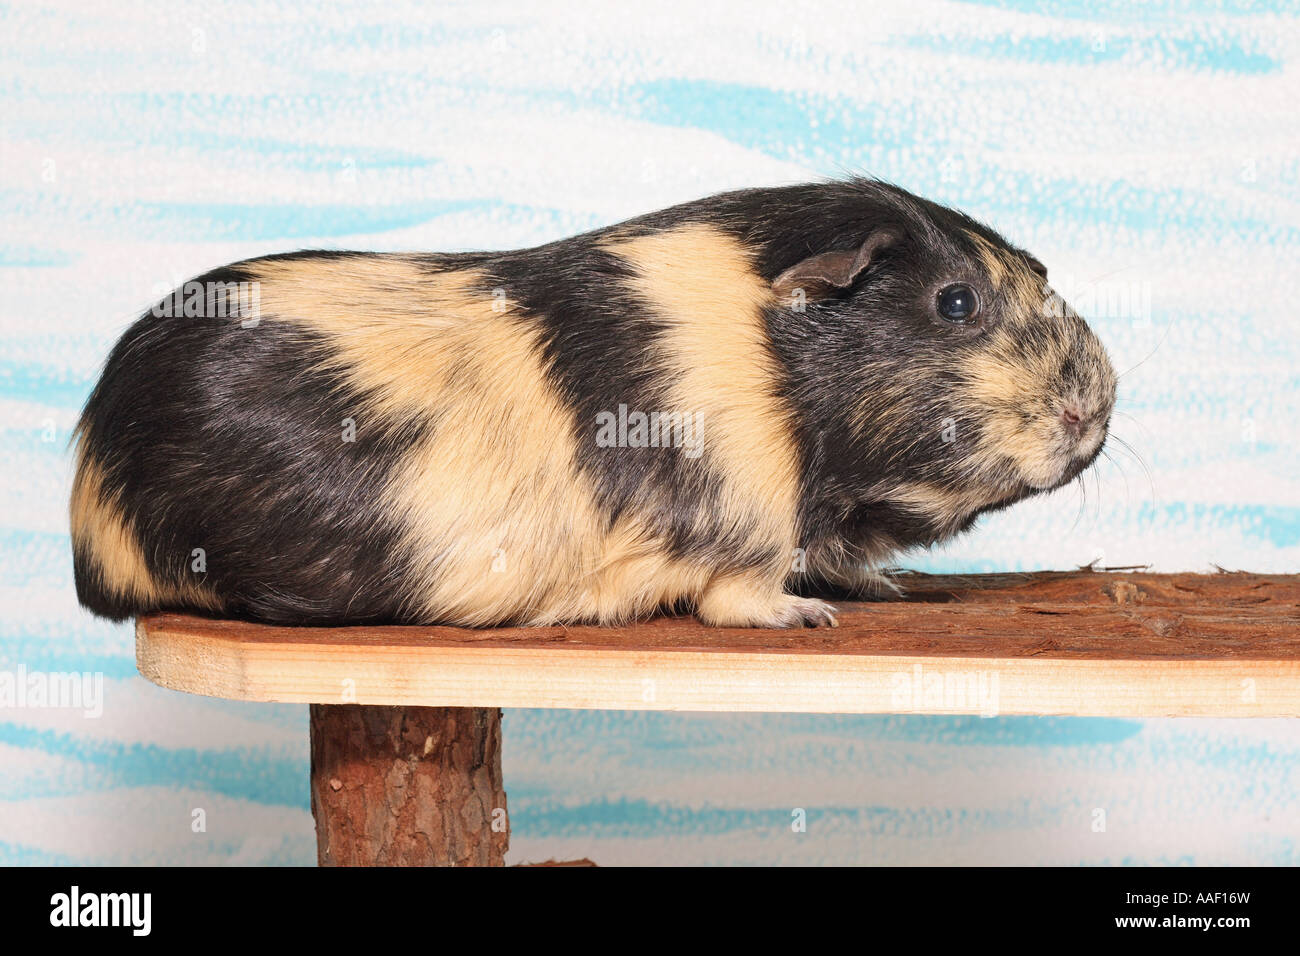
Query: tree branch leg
x=407, y=786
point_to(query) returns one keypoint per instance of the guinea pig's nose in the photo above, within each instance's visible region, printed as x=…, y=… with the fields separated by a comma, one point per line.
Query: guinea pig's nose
x=1072, y=415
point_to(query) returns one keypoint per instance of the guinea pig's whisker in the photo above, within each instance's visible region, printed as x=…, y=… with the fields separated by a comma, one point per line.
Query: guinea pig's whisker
x=1140, y=427
x=1142, y=464
x=1135, y=420
x=1095, y=495
x=1128, y=494
x=1096, y=480
x=1083, y=500
x=1168, y=328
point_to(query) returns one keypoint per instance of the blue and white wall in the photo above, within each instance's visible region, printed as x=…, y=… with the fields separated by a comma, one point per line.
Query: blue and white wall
x=1147, y=152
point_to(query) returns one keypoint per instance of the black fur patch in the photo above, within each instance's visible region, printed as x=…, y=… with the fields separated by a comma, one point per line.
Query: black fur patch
x=601, y=348
x=228, y=440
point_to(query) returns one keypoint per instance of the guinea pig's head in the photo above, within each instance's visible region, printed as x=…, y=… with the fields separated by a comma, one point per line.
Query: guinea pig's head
x=956, y=379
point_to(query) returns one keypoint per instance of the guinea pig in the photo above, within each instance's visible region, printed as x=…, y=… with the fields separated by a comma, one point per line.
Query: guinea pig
x=697, y=409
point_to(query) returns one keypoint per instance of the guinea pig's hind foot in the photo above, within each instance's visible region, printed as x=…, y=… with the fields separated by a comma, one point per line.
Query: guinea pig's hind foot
x=740, y=604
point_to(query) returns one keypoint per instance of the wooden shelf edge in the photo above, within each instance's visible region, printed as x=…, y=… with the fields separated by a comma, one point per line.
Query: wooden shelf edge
x=733, y=680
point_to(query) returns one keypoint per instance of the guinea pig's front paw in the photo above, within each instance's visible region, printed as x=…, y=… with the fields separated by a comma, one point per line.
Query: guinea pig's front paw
x=803, y=612
x=737, y=603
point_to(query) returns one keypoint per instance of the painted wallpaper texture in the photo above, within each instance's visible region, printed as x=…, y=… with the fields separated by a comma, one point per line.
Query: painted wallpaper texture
x=1148, y=153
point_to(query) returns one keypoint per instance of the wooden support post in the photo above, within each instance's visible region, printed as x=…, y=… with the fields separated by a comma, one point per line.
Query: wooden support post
x=407, y=786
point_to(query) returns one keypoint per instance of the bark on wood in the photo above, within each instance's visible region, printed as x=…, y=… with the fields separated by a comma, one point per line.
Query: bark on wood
x=1105, y=588
x=1081, y=614
x=549, y=863
x=407, y=786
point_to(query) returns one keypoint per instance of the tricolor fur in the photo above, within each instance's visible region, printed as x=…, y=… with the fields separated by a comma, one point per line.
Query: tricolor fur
x=418, y=437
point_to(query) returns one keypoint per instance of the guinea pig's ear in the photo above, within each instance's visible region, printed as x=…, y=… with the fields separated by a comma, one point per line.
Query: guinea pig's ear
x=1037, y=267
x=826, y=273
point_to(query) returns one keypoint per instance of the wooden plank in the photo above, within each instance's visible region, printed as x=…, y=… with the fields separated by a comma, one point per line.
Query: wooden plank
x=1084, y=643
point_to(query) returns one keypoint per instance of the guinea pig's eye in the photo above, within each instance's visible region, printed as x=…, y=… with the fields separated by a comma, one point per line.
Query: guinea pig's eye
x=958, y=304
